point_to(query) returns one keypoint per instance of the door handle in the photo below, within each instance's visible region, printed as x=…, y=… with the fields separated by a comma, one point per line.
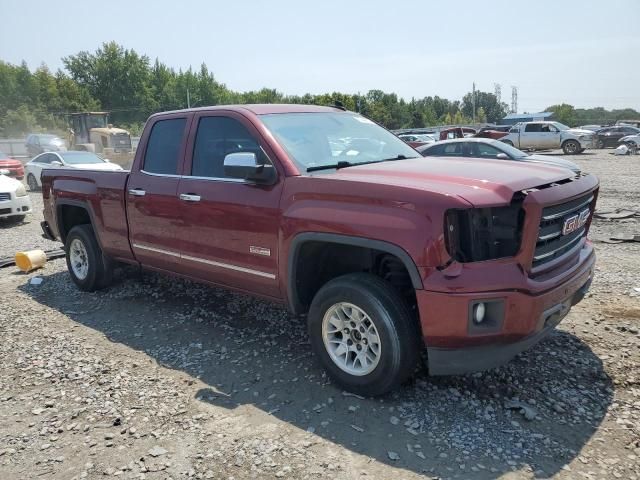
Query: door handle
x=136, y=192
x=189, y=197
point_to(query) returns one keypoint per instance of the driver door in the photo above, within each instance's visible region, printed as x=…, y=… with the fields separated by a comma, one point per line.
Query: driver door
x=229, y=227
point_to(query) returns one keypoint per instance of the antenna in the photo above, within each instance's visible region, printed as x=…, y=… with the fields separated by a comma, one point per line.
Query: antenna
x=498, y=90
x=514, y=99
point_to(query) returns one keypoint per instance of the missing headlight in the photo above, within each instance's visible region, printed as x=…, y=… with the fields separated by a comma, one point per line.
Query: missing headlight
x=477, y=234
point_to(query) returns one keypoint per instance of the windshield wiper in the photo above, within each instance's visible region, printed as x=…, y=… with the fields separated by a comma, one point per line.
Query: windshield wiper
x=345, y=164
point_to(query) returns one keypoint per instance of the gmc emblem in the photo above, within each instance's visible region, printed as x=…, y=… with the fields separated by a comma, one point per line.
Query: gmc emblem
x=574, y=222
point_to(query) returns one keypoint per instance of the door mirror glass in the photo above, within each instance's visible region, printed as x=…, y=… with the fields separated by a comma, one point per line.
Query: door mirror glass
x=502, y=156
x=244, y=165
x=56, y=163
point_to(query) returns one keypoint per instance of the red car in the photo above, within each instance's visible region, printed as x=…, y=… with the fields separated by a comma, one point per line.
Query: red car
x=385, y=252
x=15, y=167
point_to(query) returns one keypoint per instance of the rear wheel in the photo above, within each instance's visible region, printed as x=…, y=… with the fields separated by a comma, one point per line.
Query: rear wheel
x=571, y=147
x=361, y=330
x=600, y=144
x=32, y=182
x=89, y=269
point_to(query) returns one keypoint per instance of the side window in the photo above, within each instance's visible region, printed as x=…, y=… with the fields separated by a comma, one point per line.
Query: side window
x=217, y=137
x=452, y=150
x=487, y=151
x=434, y=151
x=163, y=147
x=46, y=158
x=533, y=128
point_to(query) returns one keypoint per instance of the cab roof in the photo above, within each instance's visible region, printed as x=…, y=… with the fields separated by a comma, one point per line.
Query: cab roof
x=260, y=109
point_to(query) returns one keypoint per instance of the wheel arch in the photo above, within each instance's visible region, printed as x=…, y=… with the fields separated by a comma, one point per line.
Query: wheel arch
x=70, y=213
x=294, y=300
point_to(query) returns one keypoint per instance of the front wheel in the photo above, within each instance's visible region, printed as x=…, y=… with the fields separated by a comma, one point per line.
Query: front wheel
x=363, y=334
x=32, y=182
x=571, y=147
x=89, y=269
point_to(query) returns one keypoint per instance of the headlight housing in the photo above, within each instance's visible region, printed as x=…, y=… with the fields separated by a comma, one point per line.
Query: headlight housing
x=21, y=191
x=477, y=234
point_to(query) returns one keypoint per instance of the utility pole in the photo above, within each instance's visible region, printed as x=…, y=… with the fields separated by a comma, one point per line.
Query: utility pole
x=514, y=99
x=498, y=90
x=188, y=99
x=473, y=101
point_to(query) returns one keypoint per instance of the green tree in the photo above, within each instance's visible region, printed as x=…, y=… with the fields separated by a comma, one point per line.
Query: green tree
x=494, y=110
x=564, y=113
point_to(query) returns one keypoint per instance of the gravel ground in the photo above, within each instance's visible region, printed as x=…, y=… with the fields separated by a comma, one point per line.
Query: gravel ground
x=162, y=378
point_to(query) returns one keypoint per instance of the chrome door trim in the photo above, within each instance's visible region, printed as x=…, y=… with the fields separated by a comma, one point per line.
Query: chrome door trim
x=228, y=266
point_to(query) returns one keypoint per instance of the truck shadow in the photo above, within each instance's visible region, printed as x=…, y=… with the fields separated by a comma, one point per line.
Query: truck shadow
x=253, y=353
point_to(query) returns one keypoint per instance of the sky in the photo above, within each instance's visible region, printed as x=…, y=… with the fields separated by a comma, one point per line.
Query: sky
x=585, y=53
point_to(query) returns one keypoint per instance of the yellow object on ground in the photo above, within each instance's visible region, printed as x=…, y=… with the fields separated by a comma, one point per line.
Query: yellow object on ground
x=27, y=261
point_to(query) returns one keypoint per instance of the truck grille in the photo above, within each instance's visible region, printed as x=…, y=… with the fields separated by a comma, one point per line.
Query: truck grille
x=5, y=196
x=121, y=141
x=553, y=242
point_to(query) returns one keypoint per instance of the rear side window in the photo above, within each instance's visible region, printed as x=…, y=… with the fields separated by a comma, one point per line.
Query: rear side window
x=435, y=150
x=217, y=137
x=533, y=127
x=163, y=149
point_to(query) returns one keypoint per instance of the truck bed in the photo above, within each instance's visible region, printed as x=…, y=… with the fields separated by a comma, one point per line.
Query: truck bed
x=103, y=193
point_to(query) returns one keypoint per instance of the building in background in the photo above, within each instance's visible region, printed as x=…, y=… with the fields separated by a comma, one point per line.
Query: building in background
x=514, y=118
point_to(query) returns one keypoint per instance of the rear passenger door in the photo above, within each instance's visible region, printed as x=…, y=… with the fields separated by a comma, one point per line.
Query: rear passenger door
x=531, y=136
x=229, y=234
x=153, y=208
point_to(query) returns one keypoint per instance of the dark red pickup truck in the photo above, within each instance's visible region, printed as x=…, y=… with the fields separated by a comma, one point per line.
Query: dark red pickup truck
x=386, y=252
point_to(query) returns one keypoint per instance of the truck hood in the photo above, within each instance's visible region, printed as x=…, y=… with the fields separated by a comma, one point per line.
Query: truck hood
x=479, y=182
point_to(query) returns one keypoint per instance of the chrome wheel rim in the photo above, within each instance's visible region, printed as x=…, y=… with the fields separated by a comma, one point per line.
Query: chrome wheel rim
x=79, y=259
x=351, y=339
x=572, y=147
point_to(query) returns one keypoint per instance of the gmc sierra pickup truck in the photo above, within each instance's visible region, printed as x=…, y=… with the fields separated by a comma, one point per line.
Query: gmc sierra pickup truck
x=548, y=135
x=387, y=253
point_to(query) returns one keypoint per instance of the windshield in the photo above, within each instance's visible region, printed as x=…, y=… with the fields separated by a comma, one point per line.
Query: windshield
x=80, y=158
x=317, y=139
x=560, y=126
x=513, y=152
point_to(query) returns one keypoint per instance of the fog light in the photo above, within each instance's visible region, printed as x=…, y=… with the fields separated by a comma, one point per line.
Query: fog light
x=479, y=310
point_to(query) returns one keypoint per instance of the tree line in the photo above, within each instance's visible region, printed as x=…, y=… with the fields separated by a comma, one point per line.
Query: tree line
x=131, y=87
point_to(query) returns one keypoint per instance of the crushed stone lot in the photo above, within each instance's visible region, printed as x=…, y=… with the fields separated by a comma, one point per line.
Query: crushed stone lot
x=162, y=378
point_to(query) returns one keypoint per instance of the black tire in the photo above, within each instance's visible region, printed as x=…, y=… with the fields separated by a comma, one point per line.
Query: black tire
x=600, y=144
x=571, y=147
x=508, y=142
x=100, y=268
x=32, y=182
x=399, y=335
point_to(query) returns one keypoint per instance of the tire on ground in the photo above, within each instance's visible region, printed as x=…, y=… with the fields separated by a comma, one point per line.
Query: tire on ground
x=100, y=268
x=398, y=332
x=570, y=147
x=32, y=182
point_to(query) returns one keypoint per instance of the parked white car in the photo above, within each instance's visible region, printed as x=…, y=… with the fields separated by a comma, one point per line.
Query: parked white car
x=630, y=141
x=69, y=159
x=548, y=136
x=14, y=199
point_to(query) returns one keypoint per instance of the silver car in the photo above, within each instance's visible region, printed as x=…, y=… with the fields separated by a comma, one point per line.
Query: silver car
x=491, y=150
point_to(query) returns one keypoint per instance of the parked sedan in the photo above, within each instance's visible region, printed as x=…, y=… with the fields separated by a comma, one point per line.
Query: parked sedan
x=416, y=139
x=490, y=149
x=38, y=143
x=13, y=167
x=14, y=200
x=70, y=159
x=609, y=136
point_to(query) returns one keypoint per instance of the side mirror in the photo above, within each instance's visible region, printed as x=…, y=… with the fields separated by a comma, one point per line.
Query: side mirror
x=244, y=165
x=56, y=163
x=502, y=156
